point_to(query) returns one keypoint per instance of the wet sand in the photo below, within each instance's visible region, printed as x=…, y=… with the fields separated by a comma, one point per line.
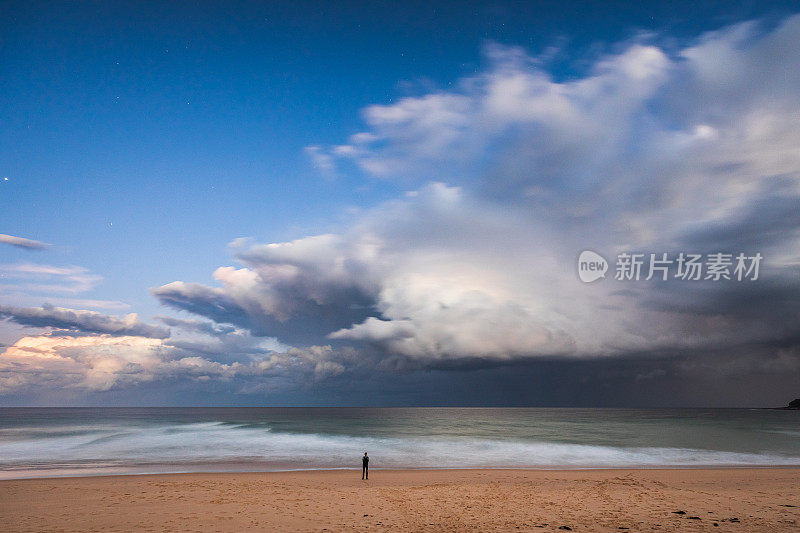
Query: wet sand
x=741, y=500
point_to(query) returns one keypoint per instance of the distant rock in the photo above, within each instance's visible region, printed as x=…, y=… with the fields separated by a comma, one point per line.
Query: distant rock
x=794, y=404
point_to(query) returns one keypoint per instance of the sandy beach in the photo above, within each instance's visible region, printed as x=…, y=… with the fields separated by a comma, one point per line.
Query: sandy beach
x=743, y=500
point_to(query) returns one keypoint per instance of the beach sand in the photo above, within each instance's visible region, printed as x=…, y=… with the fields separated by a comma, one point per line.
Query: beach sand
x=741, y=500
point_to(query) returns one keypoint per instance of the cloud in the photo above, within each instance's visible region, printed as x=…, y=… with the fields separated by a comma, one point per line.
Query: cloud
x=21, y=242
x=89, y=352
x=105, y=362
x=42, y=278
x=221, y=342
x=89, y=363
x=199, y=326
x=513, y=174
x=322, y=161
x=84, y=302
x=30, y=283
x=78, y=320
x=510, y=175
x=307, y=284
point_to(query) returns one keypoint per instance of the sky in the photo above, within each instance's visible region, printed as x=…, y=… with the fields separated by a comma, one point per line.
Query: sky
x=375, y=203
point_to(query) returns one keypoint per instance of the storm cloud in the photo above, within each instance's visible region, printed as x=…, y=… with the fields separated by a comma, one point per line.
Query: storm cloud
x=512, y=174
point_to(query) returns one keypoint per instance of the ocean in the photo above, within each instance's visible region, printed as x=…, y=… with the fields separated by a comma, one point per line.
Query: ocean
x=39, y=442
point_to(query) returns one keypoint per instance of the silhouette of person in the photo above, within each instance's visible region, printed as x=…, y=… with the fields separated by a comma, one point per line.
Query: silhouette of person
x=365, y=466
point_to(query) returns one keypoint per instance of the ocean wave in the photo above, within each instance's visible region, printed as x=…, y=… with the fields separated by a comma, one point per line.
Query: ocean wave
x=219, y=443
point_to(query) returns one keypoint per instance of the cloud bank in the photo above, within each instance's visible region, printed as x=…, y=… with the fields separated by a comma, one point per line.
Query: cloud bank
x=106, y=362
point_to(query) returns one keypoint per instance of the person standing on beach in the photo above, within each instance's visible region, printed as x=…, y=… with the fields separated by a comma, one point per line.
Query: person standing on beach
x=365, y=466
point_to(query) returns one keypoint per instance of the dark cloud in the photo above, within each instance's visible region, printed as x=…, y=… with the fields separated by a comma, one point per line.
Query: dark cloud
x=82, y=321
x=204, y=301
x=770, y=219
x=305, y=298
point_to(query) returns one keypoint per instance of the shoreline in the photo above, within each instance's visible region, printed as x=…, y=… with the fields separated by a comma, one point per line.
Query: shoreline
x=639, y=499
x=556, y=468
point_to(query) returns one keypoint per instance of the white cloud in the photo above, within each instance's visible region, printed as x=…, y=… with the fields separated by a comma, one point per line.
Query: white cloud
x=42, y=278
x=21, y=242
x=88, y=363
x=105, y=362
x=322, y=161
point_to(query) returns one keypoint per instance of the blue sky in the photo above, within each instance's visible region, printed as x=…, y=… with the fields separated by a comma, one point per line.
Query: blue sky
x=141, y=142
